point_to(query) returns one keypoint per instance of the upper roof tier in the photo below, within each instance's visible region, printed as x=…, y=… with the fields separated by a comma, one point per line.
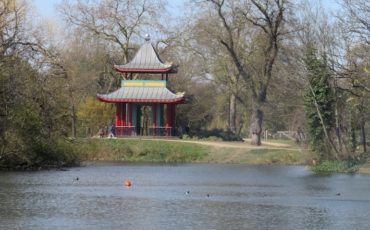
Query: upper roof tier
x=146, y=60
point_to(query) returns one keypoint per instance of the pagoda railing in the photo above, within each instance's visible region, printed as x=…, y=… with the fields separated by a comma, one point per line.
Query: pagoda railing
x=125, y=131
x=121, y=131
x=163, y=131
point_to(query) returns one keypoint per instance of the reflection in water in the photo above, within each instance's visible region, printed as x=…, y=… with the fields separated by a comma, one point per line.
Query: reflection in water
x=240, y=197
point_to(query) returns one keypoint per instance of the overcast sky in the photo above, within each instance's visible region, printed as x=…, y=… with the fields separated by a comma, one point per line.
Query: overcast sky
x=47, y=8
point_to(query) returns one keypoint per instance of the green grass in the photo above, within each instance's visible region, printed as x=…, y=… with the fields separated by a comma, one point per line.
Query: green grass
x=146, y=150
x=262, y=156
x=131, y=150
x=279, y=156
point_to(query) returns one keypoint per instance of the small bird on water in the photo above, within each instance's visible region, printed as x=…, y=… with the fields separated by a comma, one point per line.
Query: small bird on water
x=76, y=178
x=338, y=194
x=187, y=192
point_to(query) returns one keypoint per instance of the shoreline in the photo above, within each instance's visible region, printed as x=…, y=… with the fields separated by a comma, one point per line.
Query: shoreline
x=178, y=151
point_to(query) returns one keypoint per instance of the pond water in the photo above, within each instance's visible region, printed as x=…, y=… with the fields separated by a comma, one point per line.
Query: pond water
x=175, y=197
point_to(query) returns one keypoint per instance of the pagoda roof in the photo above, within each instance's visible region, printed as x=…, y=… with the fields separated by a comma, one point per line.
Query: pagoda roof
x=146, y=60
x=143, y=92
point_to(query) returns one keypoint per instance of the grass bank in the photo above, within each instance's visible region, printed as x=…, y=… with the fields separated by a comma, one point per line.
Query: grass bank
x=38, y=153
x=260, y=156
x=365, y=167
x=180, y=151
x=136, y=150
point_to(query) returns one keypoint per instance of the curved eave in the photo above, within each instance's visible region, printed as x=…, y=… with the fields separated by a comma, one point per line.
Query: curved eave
x=135, y=70
x=174, y=101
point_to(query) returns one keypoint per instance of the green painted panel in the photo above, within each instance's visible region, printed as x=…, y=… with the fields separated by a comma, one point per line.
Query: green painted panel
x=134, y=114
x=160, y=117
x=138, y=119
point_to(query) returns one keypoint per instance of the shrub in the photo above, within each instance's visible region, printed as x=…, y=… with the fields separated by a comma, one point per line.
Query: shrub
x=217, y=134
x=335, y=167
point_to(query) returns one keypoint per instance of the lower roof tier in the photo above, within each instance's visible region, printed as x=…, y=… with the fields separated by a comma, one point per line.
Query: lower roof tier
x=143, y=94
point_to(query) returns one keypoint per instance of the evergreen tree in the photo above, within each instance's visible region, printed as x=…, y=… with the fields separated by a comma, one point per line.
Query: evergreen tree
x=319, y=101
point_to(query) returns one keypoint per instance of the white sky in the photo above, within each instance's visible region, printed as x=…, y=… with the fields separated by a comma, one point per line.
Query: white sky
x=47, y=8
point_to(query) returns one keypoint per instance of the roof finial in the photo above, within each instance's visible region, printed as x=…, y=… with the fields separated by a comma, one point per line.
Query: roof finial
x=147, y=37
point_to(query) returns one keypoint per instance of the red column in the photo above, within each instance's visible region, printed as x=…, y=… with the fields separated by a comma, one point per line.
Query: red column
x=168, y=119
x=123, y=114
x=130, y=114
x=118, y=113
x=154, y=119
x=123, y=119
x=127, y=129
x=168, y=115
x=173, y=115
x=118, y=119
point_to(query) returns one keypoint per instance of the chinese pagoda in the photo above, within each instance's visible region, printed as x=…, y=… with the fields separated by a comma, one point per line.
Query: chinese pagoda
x=145, y=107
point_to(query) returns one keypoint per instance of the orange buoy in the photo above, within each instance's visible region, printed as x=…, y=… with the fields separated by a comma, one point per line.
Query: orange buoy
x=127, y=183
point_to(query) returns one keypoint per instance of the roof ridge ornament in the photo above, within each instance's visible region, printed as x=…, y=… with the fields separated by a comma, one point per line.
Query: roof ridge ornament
x=147, y=37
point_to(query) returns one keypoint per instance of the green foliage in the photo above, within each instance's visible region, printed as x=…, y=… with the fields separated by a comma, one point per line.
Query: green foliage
x=186, y=137
x=335, y=167
x=55, y=152
x=32, y=120
x=215, y=135
x=18, y=152
x=94, y=114
x=318, y=93
x=25, y=143
x=213, y=138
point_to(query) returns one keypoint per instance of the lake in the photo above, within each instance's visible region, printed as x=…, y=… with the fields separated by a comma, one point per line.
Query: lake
x=185, y=196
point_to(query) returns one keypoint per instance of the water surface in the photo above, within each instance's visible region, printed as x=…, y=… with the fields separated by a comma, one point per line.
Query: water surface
x=220, y=197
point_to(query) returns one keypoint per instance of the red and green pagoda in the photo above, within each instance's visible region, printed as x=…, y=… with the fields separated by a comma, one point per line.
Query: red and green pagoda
x=145, y=107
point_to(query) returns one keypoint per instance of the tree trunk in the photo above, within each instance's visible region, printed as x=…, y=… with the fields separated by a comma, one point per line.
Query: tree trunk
x=232, y=114
x=363, y=134
x=74, y=118
x=337, y=127
x=256, y=126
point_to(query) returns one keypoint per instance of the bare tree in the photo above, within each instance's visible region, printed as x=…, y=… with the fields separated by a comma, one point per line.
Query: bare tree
x=355, y=24
x=266, y=18
x=119, y=22
x=356, y=18
x=12, y=25
x=357, y=21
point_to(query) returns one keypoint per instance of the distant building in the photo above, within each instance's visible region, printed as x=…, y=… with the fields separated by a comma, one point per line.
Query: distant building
x=151, y=97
